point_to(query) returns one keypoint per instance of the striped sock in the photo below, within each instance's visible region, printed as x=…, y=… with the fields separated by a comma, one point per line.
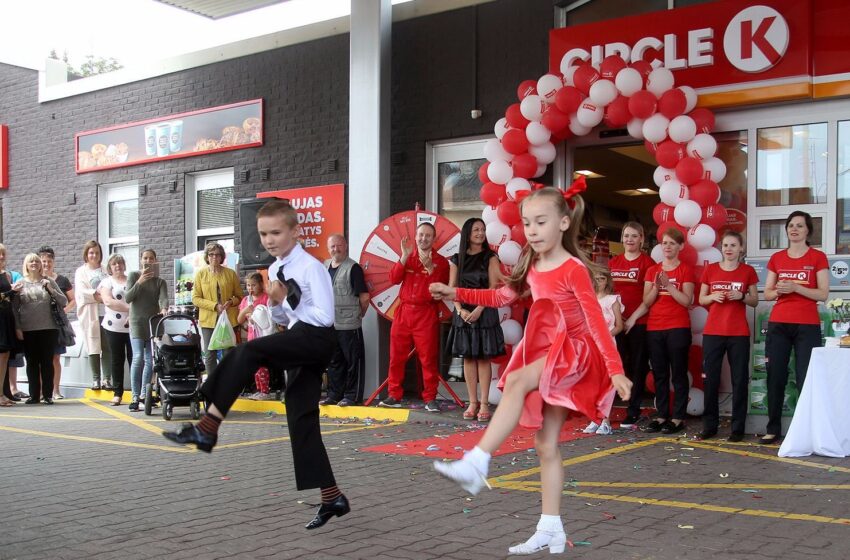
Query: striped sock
x=209, y=424
x=330, y=494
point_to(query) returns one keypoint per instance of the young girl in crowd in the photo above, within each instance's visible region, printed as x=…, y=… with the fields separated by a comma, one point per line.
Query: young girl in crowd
x=612, y=311
x=256, y=296
x=563, y=362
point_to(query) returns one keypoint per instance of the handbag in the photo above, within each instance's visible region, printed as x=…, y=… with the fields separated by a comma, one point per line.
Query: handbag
x=66, y=331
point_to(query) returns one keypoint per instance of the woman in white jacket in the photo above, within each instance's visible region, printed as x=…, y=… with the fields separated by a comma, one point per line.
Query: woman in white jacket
x=89, y=306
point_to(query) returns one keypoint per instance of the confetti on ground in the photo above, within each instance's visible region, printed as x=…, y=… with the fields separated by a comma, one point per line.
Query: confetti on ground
x=750, y=491
x=724, y=475
x=225, y=478
x=432, y=448
x=467, y=510
x=608, y=516
x=686, y=526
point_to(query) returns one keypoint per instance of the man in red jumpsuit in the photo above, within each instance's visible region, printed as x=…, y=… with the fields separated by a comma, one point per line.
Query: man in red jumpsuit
x=416, y=321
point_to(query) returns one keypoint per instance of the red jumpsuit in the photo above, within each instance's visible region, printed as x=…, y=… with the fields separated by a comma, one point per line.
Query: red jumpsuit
x=566, y=327
x=416, y=323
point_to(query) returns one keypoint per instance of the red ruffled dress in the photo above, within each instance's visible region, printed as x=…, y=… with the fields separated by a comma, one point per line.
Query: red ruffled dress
x=565, y=325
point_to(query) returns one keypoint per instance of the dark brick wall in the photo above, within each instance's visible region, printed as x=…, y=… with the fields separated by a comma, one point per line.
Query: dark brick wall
x=305, y=88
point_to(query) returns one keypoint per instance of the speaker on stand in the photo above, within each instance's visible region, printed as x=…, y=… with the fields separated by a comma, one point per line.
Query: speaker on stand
x=254, y=256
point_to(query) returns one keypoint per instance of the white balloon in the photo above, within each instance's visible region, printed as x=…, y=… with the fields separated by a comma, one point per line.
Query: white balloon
x=590, y=115
x=708, y=256
x=657, y=253
x=500, y=172
x=497, y=232
x=489, y=214
x=715, y=169
x=655, y=128
x=703, y=146
x=547, y=86
x=690, y=98
x=701, y=236
x=635, y=128
x=532, y=107
x=512, y=331
x=495, y=395
x=545, y=153
x=687, y=213
x=696, y=402
x=672, y=192
x=603, y=92
x=699, y=315
x=509, y=252
x=628, y=81
x=504, y=314
x=576, y=127
x=494, y=151
x=515, y=185
x=541, y=169
x=682, y=129
x=537, y=133
x=568, y=72
x=659, y=81
x=662, y=174
x=501, y=127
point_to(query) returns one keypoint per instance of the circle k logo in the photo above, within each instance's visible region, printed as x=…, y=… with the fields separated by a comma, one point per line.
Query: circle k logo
x=756, y=39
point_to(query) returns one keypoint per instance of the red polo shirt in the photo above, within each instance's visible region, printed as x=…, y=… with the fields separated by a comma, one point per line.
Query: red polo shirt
x=730, y=317
x=628, y=277
x=795, y=308
x=666, y=313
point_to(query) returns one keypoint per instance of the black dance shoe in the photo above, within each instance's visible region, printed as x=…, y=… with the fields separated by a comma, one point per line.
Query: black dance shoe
x=338, y=508
x=670, y=427
x=190, y=433
x=706, y=434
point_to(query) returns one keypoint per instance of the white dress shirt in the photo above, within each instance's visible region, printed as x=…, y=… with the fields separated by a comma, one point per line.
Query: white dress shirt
x=317, y=299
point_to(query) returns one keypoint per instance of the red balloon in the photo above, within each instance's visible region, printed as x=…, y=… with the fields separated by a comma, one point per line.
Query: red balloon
x=515, y=141
x=554, y=119
x=642, y=66
x=514, y=117
x=703, y=192
x=650, y=382
x=584, y=77
x=704, y=120
x=695, y=365
x=662, y=229
x=482, y=173
x=518, y=234
x=524, y=165
x=508, y=212
x=688, y=170
x=669, y=153
x=611, y=65
x=617, y=112
x=714, y=215
x=650, y=146
x=698, y=270
x=561, y=135
x=672, y=103
x=568, y=99
x=526, y=88
x=643, y=104
x=662, y=213
x=688, y=255
x=503, y=359
x=493, y=194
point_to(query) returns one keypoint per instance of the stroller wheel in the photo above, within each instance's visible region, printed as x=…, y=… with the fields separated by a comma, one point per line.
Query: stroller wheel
x=167, y=409
x=148, y=401
x=195, y=409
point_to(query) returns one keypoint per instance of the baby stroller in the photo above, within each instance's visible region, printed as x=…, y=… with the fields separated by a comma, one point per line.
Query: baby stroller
x=177, y=365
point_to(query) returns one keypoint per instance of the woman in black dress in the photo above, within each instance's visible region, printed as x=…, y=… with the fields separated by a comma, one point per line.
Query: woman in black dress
x=475, y=335
x=8, y=339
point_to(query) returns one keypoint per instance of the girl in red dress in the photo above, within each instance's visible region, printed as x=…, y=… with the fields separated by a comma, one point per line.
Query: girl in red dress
x=566, y=360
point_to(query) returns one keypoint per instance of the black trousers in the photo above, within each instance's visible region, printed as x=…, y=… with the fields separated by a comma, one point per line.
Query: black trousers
x=781, y=338
x=635, y=356
x=38, y=350
x=119, y=350
x=737, y=350
x=346, y=368
x=303, y=350
x=668, y=353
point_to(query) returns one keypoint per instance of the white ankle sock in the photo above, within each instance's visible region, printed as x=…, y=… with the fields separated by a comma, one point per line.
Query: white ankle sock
x=550, y=523
x=479, y=458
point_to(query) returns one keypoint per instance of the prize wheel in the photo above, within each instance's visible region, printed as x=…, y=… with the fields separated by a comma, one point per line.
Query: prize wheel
x=382, y=251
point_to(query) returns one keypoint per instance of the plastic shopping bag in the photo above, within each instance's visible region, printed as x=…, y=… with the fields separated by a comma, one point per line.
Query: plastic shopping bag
x=223, y=336
x=261, y=318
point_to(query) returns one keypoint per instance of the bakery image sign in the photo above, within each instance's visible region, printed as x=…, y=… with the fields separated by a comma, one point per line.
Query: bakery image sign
x=217, y=129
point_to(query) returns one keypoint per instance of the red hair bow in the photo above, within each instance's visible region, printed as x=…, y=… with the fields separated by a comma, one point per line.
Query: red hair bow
x=578, y=187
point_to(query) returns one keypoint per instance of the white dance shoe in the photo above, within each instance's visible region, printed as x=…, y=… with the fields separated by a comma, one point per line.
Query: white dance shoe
x=471, y=477
x=555, y=541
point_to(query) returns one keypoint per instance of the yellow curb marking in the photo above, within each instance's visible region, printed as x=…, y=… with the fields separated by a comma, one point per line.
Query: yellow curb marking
x=789, y=460
x=123, y=417
x=97, y=440
x=286, y=438
x=709, y=486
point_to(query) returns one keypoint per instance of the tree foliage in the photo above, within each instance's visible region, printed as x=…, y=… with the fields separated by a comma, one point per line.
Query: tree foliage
x=92, y=66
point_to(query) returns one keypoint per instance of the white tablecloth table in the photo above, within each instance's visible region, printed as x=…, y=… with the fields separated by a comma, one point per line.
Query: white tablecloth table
x=821, y=422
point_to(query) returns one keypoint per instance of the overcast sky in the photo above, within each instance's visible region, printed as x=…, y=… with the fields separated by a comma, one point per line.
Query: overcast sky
x=137, y=30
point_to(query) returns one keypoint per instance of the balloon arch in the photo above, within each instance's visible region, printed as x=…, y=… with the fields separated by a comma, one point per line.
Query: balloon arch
x=559, y=106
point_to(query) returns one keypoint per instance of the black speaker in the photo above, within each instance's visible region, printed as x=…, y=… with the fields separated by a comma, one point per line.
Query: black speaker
x=254, y=256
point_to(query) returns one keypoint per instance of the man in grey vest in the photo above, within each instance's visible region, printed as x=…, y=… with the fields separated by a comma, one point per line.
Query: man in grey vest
x=351, y=300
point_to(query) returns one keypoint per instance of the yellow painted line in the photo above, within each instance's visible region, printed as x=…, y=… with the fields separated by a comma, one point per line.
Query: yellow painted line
x=247, y=405
x=75, y=418
x=97, y=440
x=286, y=438
x=788, y=460
x=124, y=417
x=706, y=486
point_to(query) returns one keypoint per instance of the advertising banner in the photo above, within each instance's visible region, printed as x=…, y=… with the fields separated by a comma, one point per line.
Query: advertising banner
x=4, y=156
x=321, y=213
x=217, y=129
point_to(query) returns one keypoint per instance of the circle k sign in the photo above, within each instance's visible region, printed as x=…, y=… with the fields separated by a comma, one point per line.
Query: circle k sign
x=756, y=39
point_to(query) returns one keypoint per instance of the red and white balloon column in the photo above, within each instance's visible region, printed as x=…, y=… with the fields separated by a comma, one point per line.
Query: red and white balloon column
x=645, y=100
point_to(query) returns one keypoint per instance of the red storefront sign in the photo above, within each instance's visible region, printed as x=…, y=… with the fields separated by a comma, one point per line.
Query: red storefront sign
x=733, y=52
x=321, y=213
x=4, y=156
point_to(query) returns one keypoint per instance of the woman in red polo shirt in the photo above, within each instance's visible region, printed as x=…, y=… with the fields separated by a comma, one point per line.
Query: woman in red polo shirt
x=797, y=278
x=727, y=288
x=668, y=292
x=628, y=272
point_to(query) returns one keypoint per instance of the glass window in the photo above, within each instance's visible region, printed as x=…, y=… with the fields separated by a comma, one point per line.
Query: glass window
x=732, y=151
x=591, y=12
x=772, y=233
x=215, y=208
x=459, y=188
x=792, y=165
x=842, y=217
x=124, y=218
